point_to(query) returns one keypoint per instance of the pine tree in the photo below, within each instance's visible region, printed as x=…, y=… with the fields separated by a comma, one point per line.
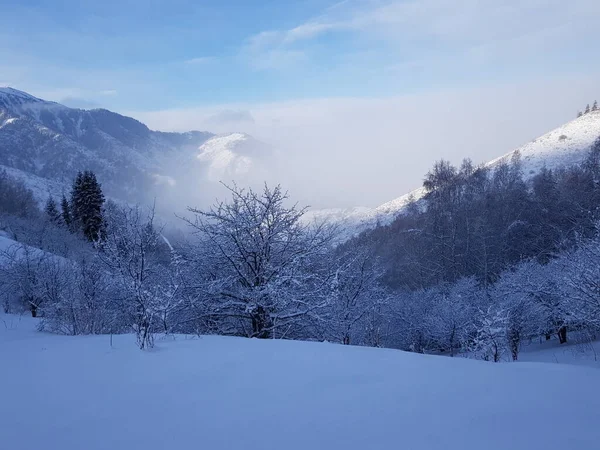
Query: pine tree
x=587, y=109
x=595, y=107
x=66, y=212
x=579, y=114
x=51, y=211
x=87, y=200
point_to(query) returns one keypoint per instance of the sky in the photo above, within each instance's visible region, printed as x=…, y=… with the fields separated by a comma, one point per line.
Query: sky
x=361, y=96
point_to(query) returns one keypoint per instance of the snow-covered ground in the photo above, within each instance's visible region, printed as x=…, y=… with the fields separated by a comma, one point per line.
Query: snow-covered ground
x=59, y=392
x=577, y=351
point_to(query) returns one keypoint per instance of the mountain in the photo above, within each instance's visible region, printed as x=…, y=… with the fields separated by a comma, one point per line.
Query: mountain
x=564, y=146
x=46, y=143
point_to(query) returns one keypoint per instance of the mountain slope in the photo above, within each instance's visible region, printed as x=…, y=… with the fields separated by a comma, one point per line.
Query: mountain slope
x=217, y=393
x=46, y=140
x=564, y=146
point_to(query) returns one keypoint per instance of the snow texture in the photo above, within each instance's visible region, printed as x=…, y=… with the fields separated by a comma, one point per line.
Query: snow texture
x=73, y=393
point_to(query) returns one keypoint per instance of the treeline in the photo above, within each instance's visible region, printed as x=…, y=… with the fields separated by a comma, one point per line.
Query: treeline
x=485, y=261
x=587, y=109
x=480, y=221
x=250, y=267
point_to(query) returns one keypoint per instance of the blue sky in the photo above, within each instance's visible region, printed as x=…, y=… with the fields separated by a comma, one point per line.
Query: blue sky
x=369, y=90
x=143, y=55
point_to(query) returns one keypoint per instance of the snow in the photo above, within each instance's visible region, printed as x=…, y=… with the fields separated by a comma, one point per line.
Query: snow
x=41, y=187
x=219, y=153
x=577, y=351
x=73, y=393
x=564, y=146
x=8, y=91
x=8, y=121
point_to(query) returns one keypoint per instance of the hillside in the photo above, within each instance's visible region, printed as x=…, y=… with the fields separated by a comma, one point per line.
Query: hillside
x=564, y=146
x=226, y=393
x=45, y=144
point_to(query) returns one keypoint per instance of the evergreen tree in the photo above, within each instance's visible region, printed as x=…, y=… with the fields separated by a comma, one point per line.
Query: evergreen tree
x=51, y=211
x=579, y=114
x=66, y=212
x=587, y=109
x=87, y=200
x=595, y=107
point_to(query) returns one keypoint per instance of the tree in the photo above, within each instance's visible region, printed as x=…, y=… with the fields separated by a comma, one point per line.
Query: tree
x=65, y=210
x=595, y=106
x=587, y=109
x=16, y=198
x=490, y=340
x=267, y=268
x=51, y=211
x=579, y=114
x=356, y=299
x=32, y=276
x=86, y=204
x=450, y=322
x=132, y=250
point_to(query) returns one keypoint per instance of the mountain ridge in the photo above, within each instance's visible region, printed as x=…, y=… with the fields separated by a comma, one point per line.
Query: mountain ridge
x=565, y=145
x=42, y=140
x=47, y=140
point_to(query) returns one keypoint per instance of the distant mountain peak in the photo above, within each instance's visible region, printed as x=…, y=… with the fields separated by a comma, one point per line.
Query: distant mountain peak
x=19, y=97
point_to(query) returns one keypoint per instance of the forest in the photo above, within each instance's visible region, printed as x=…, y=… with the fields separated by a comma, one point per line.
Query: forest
x=488, y=259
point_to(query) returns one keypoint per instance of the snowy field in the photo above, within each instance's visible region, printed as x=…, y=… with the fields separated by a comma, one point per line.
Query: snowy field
x=73, y=393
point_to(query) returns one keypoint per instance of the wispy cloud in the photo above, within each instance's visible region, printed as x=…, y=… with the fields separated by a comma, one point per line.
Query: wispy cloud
x=413, y=26
x=201, y=60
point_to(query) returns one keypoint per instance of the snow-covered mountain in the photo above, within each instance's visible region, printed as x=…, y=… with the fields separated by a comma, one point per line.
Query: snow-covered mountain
x=45, y=144
x=564, y=146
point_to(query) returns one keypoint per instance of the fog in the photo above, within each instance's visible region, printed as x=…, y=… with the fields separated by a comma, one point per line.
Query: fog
x=344, y=152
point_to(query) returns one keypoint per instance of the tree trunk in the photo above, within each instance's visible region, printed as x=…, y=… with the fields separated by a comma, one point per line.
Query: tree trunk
x=261, y=324
x=562, y=335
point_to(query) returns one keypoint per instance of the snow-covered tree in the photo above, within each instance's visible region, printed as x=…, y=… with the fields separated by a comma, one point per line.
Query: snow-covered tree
x=133, y=251
x=267, y=270
x=86, y=205
x=32, y=277
x=15, y=198
x=65, y=211
x=595, y=106
x=51, y=211
x=450, y=321
x=587, y=109
x=356, y=299
x=490, y=339
x=580, y=278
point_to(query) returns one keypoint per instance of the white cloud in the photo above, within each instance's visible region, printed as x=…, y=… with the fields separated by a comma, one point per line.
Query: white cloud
x=434, y=26
x=201, y=60
x=352, y=151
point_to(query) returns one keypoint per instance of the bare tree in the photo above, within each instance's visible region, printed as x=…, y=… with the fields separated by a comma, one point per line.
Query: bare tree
x=134, y=252
x=356, y=299
x=265, y=266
